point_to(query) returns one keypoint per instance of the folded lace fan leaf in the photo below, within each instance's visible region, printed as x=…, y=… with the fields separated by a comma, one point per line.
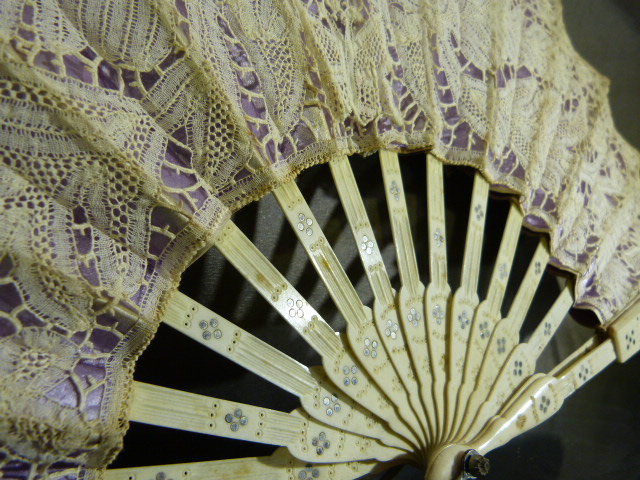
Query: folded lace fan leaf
x=128, y=154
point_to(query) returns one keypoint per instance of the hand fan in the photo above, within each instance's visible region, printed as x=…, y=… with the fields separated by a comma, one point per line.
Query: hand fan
x=131, y=131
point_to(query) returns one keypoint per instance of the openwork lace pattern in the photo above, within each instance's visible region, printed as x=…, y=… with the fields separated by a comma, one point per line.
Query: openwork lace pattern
x=130, y=130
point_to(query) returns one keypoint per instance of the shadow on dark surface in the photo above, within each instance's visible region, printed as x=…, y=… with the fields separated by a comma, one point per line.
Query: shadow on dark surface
x=529, y=457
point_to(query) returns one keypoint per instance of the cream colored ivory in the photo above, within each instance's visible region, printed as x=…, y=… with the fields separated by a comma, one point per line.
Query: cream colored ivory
x=550, y=323
x=542, y=398
x=361, y=228
x=625, y=332
x=542, y=395
x=436, y=299
x=411, y=297
x=397, y=206
x=306, y=439
x=341, y=365
x=537, y=400
x=361, y=329
x=227, y=339
x=487, y=314
x=506, y=335
x=391, y=335
x=520, y=364
x=465, y=299
x=281, y=465
x=322, y=445
x=310, y=235
x=272, y=285
x=318, y=395
x=386, y=314
x=171, y=408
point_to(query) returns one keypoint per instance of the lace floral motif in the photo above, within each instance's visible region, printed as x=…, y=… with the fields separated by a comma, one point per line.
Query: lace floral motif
x=37, y=359
x=123, y=152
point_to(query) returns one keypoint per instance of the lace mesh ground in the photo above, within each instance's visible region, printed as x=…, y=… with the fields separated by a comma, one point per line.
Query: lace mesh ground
x=129, y=132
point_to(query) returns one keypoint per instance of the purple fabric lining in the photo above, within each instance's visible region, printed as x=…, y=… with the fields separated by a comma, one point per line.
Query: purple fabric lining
x=28, y=319
x=103, y=341
x=182, y=8
x=536, y=223
x=178, y=155
x=474, y=72
x=10, y=298
x=6, y=327
x=65, y=394
x=107, y=76
x=16, y=470
x=89, y=53
x=27, y=34
x=27, y=14
x=6, y=266
x=83, y=240
x=77, y=69
x=44, y=59
x=181, y=177
x=175, y=179
x=93, y=402
x=90, y=272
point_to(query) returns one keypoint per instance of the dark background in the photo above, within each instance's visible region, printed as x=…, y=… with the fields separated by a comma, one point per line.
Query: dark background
x=595, y=435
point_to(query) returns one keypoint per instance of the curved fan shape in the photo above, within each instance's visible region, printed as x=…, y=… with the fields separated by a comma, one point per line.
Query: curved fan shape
x=131, y=131
x=425, y=375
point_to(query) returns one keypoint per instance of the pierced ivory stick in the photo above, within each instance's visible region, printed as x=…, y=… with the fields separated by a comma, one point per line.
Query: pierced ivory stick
x=341, y=365
x=543, y=398
x=521, y=363
x=506, y=335
x=625, y=332
x=436, y=298
x=465, y=300
x=386, y=316
x=536, y=401
x=399, y=216
x=276, y=289
x=361, y=331
x=279, y=466
x=411, y=297
x=488, y=312
x=307, y=439
x=224, y=337
x=317, y=394
x=310, y=235
x=595, y=354
x=320, y=444
x=362, y=231
x=171, y=408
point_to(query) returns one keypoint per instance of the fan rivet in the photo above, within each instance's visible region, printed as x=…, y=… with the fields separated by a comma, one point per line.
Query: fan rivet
x=475, y=465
